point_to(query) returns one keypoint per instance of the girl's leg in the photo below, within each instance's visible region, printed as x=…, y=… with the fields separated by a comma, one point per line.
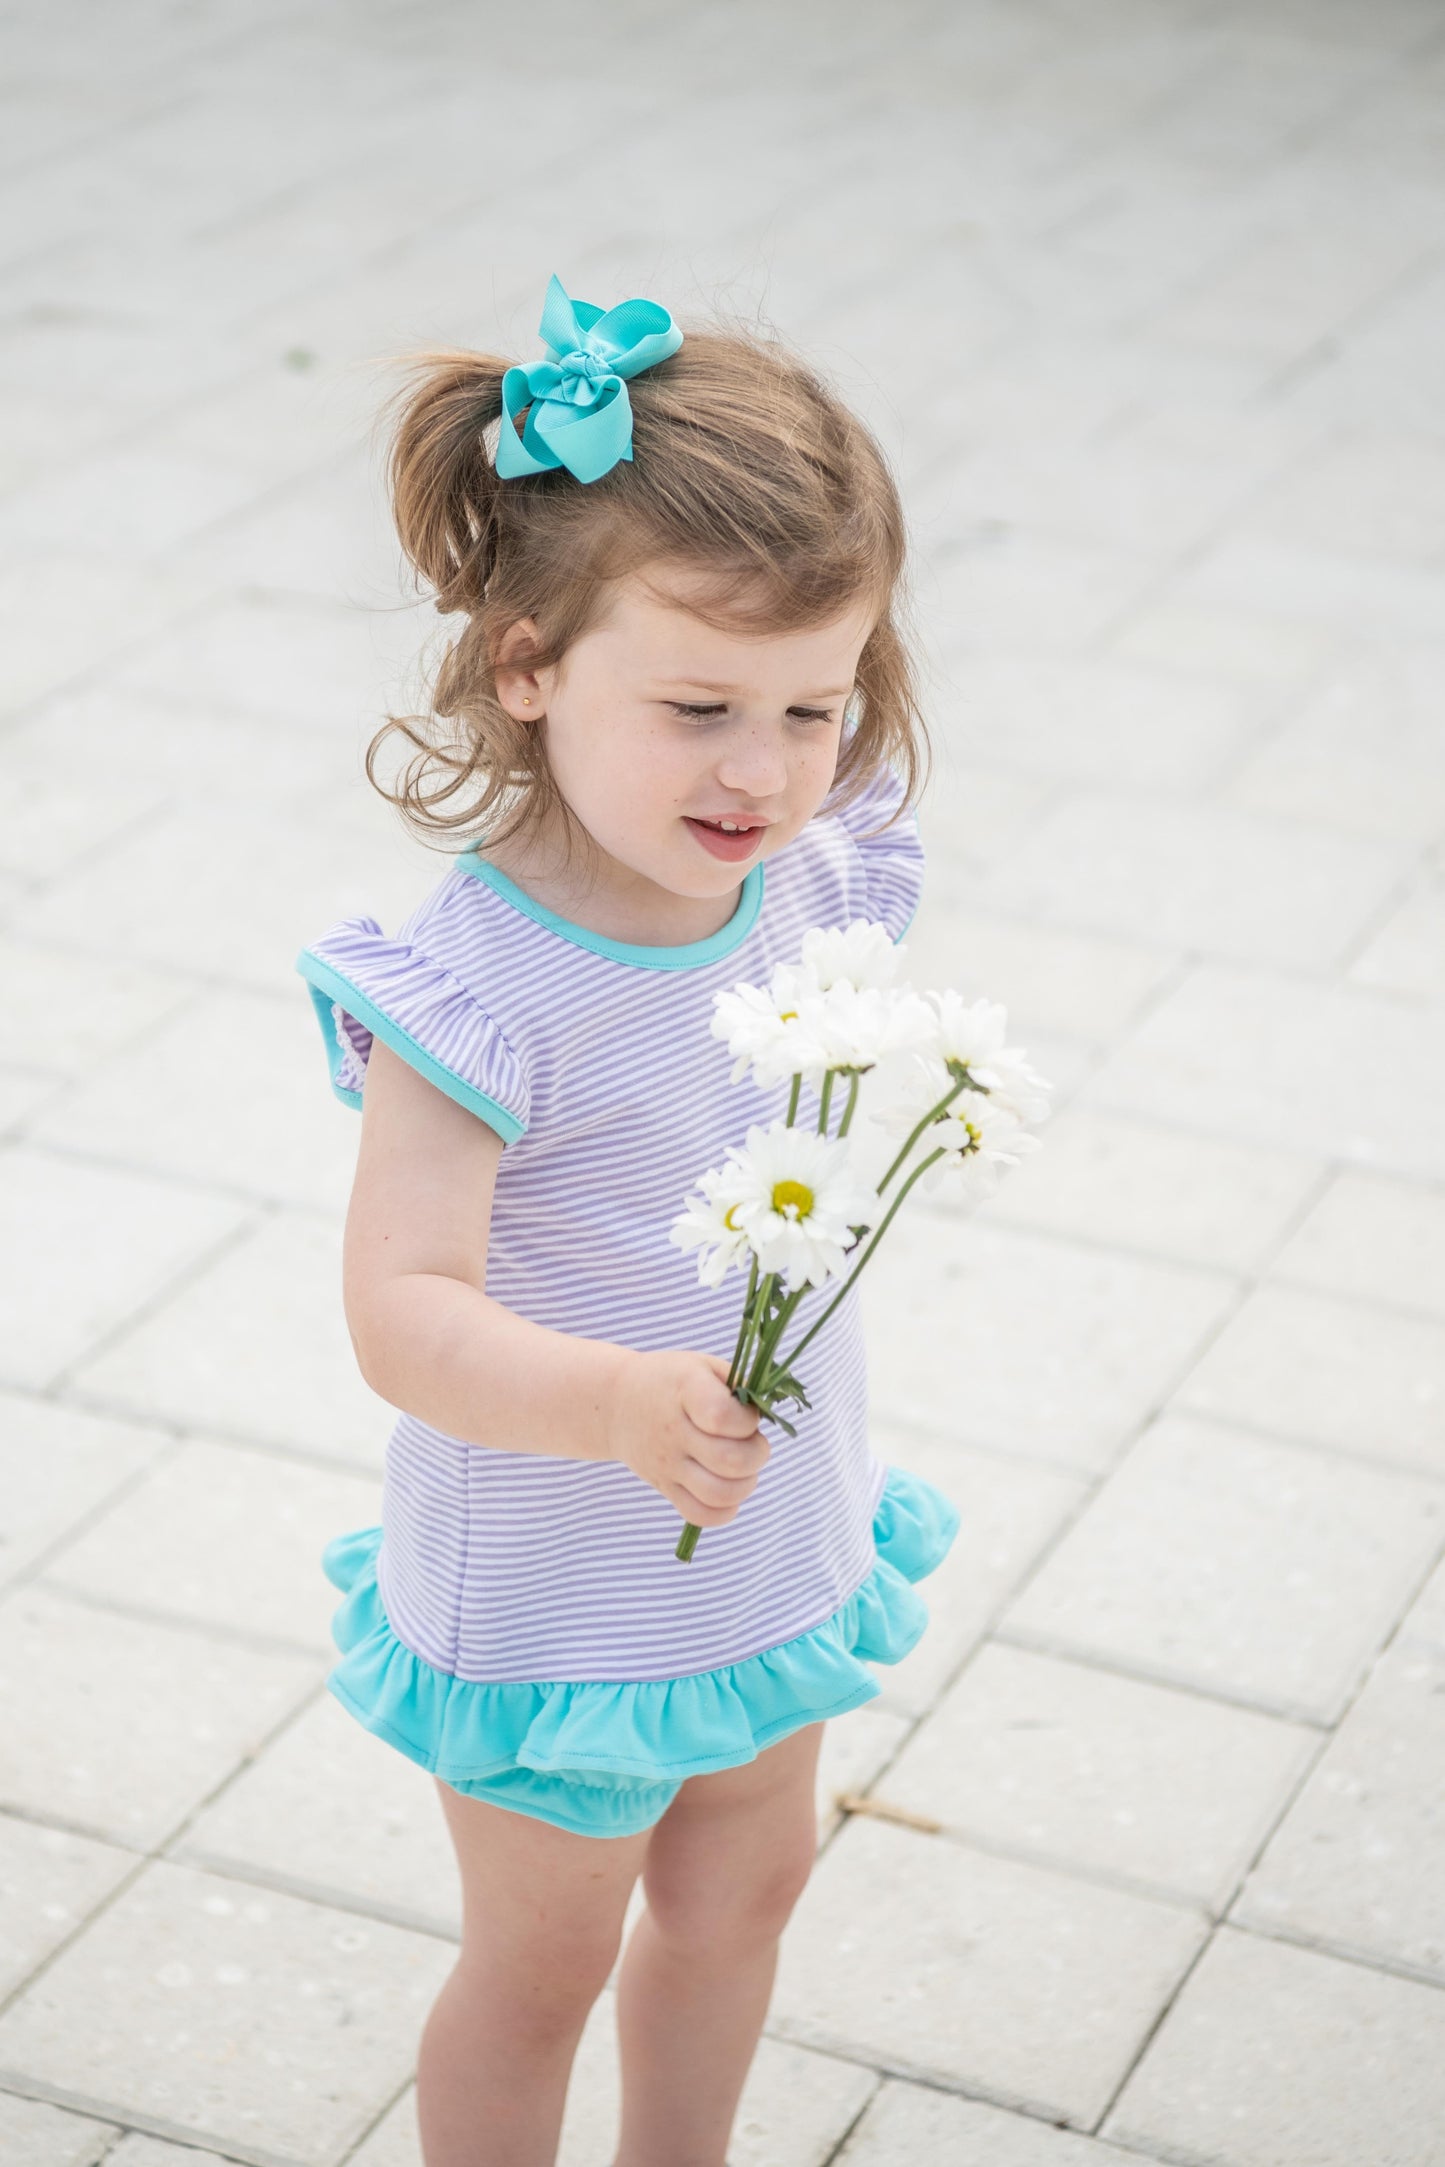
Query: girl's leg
x=542, y=1914
x=724, y=1868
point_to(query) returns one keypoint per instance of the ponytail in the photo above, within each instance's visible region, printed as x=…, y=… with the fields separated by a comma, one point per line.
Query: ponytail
x=444, y=487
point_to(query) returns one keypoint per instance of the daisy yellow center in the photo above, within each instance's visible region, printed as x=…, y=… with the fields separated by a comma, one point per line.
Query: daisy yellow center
x=796, y=1193
x=729, y=1221
x=788, y=1015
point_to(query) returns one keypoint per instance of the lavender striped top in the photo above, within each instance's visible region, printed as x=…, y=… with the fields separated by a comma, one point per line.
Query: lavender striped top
x=593, y=1060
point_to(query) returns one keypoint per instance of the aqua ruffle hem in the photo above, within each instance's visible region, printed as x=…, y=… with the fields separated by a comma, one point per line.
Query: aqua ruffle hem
x=606, y=1759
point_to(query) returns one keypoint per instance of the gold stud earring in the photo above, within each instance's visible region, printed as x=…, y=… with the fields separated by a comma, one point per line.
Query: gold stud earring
x=526, y=703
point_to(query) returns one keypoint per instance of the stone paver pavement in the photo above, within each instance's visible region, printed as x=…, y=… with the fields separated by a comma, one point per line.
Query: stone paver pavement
x=1148, y=306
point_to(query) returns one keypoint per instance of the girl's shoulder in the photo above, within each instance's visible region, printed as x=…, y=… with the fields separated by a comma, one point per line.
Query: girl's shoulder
x=430, y=992
x=863, y=861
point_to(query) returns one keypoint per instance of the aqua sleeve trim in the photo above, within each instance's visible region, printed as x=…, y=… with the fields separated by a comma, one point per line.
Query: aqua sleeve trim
x=327, y=985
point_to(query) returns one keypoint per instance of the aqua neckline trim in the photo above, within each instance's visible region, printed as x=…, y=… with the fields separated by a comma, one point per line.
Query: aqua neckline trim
x=683, y=957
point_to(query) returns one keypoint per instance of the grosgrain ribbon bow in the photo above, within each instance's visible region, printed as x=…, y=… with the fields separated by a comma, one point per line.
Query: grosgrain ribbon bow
x=581, y=416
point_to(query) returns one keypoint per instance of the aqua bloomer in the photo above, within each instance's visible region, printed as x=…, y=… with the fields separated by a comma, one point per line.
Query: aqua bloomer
x=581, y=416
x=606, y=1759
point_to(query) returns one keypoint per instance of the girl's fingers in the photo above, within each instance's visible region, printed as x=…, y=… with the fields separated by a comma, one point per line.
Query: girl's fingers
x=716, y=1490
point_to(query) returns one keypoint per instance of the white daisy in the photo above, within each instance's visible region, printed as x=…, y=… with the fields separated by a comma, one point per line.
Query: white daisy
x=710, y=1223
x=981, y=1141
x=858, y=1026
x=863, y=955
x=800, y=1198
x=772, y=1029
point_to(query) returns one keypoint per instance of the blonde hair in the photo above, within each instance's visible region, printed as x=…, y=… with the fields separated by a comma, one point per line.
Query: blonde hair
x=746, y=469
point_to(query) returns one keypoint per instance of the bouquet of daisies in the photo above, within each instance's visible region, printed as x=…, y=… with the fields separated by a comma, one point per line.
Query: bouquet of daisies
x=794, y=1206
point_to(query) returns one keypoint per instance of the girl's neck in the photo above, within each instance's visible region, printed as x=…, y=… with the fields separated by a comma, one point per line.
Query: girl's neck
x=602, y=895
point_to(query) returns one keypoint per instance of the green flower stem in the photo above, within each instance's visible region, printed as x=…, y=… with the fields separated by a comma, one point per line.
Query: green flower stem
x=735, y=1369
x=853, y=1076
x=878, y=1233
x=687, y=1540
x=793, y=1097
x=824, y=1098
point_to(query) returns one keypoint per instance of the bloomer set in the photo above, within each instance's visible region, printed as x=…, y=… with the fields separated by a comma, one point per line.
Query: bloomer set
x=518, y=1623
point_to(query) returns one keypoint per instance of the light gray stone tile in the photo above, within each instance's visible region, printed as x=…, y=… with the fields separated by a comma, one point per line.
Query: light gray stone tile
x=216, y=1096
x=326, y=535
x=50, y=1879
x=1311, y=1366
x=1407, y=955
x=1244, y=644
x=138, y=2150
x=237, y=922
x=1001, y=1978
x=223, y=1536
x=248, y=2017
x=1106, y=722
x=1012, y=589
x=57, y=1465
x=855, y=1747
x=1374, y=1241
x=1254, y=1054
x=193, y=1360
x=1008, y=1515
x=314, y=664
x=1359, y=1862
x=1289, y=290
x=331, y=1811
x=66, y=1013
x=134, y=500
x=195, y=753
x=969, y=817
x=1363, y=753
x=1114, y=494
x=1379, y=491
x=1050, y=980
x=1003, y=1338
x=21, y=1096
x=46, y=821
x=64, y=611
x=122, y=1727
x=1076, y=1767
x=1199, y=1199
x=907, y=2123
x=1278, y=2057
x=84, y=1248
x=33, y=2134
x=1426, y=1621
x=1372, y=595
x=1260, y=1571
x=1199, y=876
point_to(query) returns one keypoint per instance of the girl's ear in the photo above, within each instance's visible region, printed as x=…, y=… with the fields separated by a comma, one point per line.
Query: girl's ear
x=519, y=687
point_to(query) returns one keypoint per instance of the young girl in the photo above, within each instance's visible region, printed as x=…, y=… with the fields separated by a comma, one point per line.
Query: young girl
x=679, y=721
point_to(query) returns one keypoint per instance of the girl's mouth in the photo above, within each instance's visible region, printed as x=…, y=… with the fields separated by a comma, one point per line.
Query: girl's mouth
x=729, y=843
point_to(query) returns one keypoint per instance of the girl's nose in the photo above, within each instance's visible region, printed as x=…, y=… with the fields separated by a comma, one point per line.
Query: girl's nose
x=755, y=763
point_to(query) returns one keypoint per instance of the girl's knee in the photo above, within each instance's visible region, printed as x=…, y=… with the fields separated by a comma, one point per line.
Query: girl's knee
x=697, y=1909
x=546, y=1983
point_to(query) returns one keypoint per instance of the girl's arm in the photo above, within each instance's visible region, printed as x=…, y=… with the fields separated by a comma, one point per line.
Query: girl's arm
x=414, y=1264
x=429, y=1339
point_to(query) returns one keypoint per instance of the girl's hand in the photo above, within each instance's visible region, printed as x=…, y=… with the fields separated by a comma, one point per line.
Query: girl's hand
x=674, y=1422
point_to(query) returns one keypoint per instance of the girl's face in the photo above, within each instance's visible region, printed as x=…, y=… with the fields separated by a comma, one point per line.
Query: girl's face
x=661, y=727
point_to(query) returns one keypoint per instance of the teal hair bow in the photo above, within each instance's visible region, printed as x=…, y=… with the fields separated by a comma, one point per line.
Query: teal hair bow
x=581, y=416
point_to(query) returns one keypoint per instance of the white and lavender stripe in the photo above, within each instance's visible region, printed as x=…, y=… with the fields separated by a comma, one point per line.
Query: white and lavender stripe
x=595, y=1062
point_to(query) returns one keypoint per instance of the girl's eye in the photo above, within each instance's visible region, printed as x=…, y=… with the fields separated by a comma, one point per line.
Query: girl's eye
x=697, y=712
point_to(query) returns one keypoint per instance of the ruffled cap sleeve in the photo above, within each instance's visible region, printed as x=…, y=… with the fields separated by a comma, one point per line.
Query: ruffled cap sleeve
x=365, y=986
x=891, y=862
